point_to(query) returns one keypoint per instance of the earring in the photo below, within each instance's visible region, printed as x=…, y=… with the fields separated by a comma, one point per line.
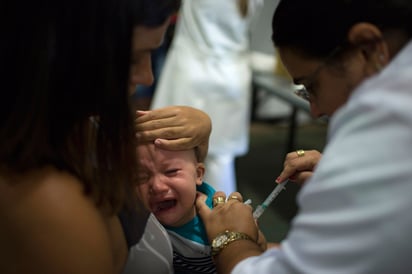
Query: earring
x=381, y=60
x=378, y=67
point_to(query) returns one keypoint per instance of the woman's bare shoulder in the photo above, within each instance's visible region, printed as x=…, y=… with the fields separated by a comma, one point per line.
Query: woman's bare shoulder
x=46, y=189
x=48, y=223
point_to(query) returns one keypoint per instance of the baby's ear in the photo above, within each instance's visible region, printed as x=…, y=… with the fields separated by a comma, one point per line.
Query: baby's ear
x=200, y=173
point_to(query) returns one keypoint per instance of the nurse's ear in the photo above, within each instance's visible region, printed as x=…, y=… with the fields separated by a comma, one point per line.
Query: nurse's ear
x=368, y=38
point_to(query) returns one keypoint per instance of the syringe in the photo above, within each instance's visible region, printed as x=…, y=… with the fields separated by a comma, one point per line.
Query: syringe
x=262, y=207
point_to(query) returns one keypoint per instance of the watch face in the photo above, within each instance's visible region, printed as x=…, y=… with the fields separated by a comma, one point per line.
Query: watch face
x=221, y=240
x=225, y=238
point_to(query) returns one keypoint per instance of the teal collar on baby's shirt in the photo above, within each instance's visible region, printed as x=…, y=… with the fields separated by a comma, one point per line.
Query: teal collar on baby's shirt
x=209, y=191
x=194, y=229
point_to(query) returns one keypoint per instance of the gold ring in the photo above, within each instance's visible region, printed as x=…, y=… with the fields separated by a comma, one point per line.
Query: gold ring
x=234, y=197
x=300, y=152
x=218, y=200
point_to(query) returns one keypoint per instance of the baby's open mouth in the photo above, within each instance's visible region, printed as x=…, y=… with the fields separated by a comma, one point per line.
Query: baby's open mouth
x=164, y=205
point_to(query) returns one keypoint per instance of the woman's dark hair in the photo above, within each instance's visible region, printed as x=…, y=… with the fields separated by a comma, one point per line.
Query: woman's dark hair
x=316, y=28
x=153, y=13
x=61, y=63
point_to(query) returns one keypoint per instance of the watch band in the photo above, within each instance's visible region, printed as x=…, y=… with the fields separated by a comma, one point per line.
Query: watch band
x=223, y=239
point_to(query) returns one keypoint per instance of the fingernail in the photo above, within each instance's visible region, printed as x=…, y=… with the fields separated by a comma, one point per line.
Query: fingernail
x=248, y=202
x=278, y=180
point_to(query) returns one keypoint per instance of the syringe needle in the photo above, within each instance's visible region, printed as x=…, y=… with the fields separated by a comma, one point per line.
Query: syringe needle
x=275, y=192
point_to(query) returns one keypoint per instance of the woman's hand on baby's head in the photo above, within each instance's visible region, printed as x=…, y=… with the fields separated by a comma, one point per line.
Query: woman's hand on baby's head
x=175, y=128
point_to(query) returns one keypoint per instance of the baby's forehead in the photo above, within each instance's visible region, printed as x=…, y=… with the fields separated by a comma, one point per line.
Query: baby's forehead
x=150, y=148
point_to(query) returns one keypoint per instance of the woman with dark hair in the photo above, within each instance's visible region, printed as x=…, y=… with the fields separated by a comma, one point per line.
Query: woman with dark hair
x=353, y=62
x=67, y=136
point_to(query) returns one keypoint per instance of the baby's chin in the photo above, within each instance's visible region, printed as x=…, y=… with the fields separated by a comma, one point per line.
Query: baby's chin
x=169, y=220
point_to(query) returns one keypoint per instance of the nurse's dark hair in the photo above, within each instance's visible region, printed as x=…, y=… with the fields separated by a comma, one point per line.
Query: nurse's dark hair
x=62, y=62
x=315, y=28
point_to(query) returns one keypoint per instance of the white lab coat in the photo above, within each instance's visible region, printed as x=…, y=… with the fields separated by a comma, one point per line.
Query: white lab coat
x=355, y=211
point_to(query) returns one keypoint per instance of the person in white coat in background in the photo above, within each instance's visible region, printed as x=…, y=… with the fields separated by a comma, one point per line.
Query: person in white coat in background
x=207, y=67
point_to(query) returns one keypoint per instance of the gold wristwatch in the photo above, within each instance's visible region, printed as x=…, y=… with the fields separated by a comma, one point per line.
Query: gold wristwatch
x=225, y=238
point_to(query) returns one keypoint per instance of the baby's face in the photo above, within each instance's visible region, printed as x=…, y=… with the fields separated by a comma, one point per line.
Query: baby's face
x=167, y=183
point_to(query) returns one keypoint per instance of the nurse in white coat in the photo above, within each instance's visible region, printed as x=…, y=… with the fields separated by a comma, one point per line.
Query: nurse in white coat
x=208, y=68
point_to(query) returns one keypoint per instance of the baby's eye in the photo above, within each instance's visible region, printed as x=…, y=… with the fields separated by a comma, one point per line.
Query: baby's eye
x=172, y=172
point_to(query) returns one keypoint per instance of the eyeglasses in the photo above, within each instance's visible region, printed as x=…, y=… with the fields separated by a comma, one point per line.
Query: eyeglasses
x=301, y=90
